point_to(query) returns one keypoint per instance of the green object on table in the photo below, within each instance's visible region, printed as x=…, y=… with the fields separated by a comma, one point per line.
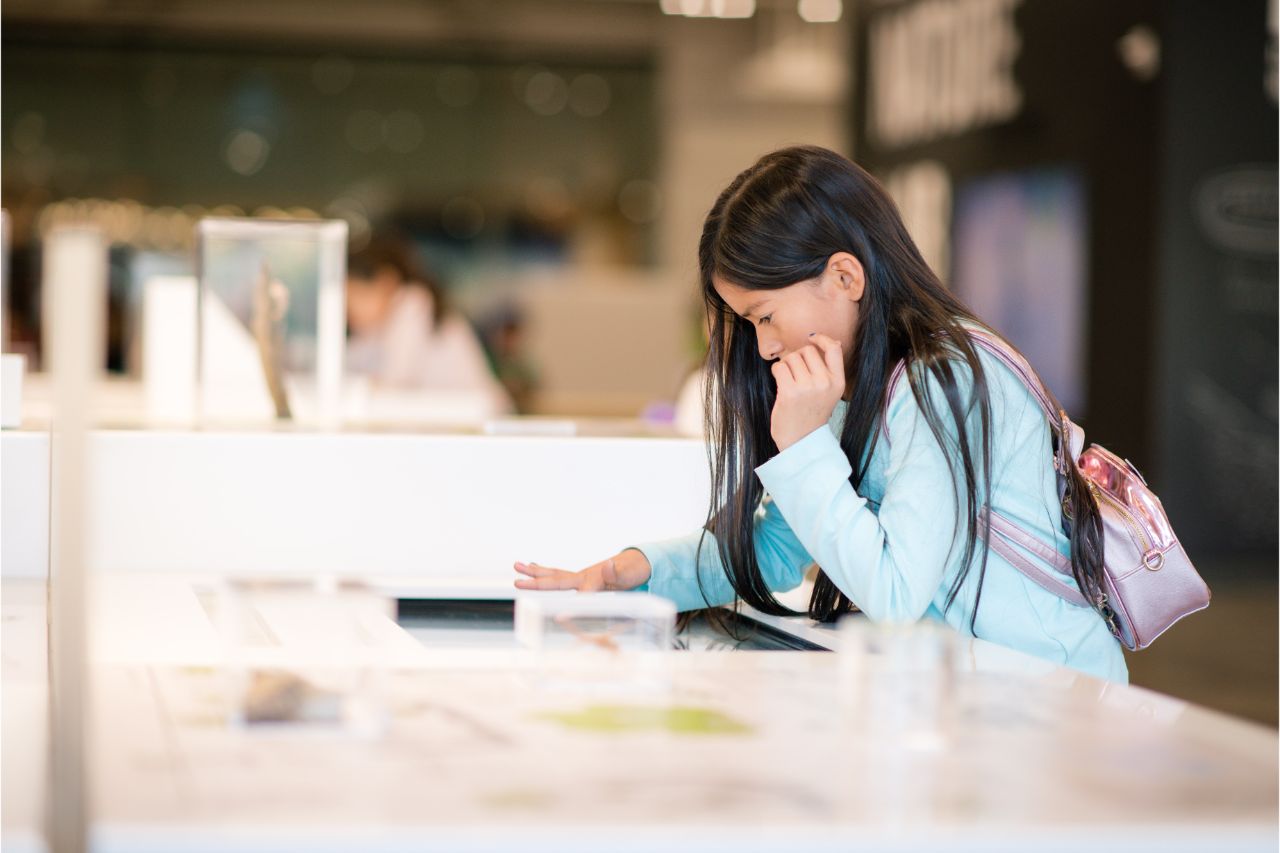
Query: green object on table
x=639, y=718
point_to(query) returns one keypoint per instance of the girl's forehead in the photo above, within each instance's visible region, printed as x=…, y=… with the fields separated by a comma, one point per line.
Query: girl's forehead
x=742, y=300
x=748, y=302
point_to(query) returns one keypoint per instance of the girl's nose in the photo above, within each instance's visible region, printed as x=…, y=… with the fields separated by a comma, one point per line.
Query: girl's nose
x=770, y=349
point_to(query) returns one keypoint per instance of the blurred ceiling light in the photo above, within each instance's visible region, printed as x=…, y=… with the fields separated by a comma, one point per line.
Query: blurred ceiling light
x=246, y=152
x=733, y=8
x=28, y=133
x=640, y=201
x=364, y=130
x=462, y=218
x=820, y=11
x=178, y=228
x=332, y=74
x=589, y=95
x=709, y=8
x=164, y=228
x=130, y=220
x=520, y=79
x=546, y=93
x=457, y=86
x=1139, y=50
x=403, y=131
x=116, y=221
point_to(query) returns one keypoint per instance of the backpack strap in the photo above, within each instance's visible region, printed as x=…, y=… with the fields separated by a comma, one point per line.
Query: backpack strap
x=1007, y=538
x=1070, y=436
x=1059, y=423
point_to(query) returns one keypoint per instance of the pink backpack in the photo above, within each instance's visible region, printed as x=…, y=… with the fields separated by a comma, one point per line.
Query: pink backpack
x=1149, y=580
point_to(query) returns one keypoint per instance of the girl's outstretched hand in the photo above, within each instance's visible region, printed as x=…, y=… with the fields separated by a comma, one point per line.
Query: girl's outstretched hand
x=626, y=570
x=810, y=383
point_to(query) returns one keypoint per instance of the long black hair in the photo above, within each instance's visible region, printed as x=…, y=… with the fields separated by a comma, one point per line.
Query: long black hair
x=776, y=224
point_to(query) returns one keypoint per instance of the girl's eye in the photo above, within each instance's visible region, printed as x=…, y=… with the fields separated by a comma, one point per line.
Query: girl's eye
x=765, y=319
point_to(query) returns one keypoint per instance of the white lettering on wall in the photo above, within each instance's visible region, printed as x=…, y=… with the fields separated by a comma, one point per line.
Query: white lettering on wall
x=940, y=68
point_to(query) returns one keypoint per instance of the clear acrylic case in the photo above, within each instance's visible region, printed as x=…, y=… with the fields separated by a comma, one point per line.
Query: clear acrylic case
x=304, y=655
x=597, y=642
x=899, y=679
x=271, y=319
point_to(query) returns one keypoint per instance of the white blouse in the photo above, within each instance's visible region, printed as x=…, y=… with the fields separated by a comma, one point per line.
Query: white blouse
x=410, y=352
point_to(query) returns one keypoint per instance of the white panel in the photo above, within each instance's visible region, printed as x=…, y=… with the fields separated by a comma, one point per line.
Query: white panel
x=451, y=508
x=169, y=348
x=24, y=504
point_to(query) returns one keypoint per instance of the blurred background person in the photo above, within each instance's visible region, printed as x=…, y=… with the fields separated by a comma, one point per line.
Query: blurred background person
x=401, y=333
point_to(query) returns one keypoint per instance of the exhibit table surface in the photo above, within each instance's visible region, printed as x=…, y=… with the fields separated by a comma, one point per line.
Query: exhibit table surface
x=490, y=748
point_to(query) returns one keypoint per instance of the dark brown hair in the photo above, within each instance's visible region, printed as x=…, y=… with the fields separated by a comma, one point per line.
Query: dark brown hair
x=397, y=254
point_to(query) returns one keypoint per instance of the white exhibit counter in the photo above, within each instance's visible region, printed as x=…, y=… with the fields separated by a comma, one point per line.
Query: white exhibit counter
x=740, y=751
x=449, y=511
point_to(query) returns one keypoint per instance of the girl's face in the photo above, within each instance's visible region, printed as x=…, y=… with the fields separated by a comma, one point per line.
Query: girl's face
x=369, y=300
x=784, y=318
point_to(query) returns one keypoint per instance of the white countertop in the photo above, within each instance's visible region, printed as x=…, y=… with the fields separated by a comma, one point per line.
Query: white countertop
x=740, y=751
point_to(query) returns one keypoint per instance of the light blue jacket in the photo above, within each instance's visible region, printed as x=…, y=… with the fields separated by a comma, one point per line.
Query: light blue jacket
x=893, y=547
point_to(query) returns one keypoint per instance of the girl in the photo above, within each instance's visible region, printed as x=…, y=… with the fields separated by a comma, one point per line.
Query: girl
x=815, y=293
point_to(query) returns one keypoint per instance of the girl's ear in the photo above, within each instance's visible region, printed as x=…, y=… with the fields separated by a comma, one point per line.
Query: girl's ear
x=847, y=275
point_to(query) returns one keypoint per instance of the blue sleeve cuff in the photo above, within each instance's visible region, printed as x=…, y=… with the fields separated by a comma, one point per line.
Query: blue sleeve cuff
x=818, y=449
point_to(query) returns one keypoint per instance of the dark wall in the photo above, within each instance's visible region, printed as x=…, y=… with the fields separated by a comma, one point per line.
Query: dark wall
x=1180, y=328
x=1216, y=419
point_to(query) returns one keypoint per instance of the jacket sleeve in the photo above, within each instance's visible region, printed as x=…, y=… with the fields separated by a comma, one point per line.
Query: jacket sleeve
x=676, y=564
x=890, y=564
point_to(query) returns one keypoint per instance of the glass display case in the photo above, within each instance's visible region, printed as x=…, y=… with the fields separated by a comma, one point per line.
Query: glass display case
x=271, y=319
x=602, y=641
x=304, y=654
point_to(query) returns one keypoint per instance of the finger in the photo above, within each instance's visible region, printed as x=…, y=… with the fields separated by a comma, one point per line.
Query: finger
x=537, y=572
x=832, y=353
x=559, y=580
x=533, y=583
x=817, y=368
x=799, y=369
x=533, y=569
x=782, y=373
x=536, y=583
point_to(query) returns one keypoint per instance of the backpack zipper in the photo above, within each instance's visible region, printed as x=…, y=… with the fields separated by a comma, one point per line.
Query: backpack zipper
x=1151, y=556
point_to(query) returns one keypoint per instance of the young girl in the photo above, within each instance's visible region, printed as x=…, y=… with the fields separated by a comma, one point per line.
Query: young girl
x=815, y=293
